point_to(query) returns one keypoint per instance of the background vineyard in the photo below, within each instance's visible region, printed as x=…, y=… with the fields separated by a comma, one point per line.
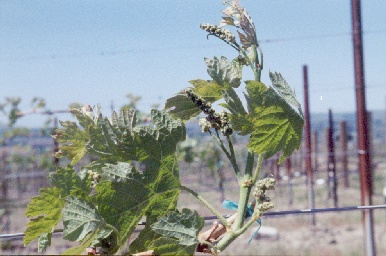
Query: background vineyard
x=26, y=160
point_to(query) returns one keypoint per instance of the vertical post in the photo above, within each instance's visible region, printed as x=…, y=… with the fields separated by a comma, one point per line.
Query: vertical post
x=343, y=152
x=314, y=141
x=307, y=137
x=288, y=169
x=56, y=144
x=331, y=160
x=362, y=128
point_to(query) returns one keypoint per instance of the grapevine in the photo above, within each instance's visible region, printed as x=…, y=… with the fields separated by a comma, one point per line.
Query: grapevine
x=135, y=175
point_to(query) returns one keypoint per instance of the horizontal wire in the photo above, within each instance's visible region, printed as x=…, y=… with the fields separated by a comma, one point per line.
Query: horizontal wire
x=123, y=52
x=266, y=214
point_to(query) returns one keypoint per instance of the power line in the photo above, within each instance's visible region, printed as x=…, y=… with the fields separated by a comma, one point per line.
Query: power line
x=266, y=214
x=143, y=50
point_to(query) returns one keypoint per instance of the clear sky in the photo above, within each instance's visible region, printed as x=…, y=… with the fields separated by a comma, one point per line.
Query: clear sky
x=95, y=52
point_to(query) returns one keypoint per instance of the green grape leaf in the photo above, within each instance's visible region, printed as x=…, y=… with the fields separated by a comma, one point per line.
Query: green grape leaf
x=73, y=140
x=171, y=246
x=69, y=182
x=208, y=90
x=242, y=124
x=184, y=226
x=180, y=106
x=86, y=242
x=119, y=172
x=151, y=193
x=44, y=241
x=145, y=239
x=80, y=219
x=284, y=90
x=45, y=212
x=223, y=72
x=277, y=126
x=233, y=102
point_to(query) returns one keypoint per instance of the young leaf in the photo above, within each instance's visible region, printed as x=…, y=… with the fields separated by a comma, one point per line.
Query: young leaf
x=73, y=139
x=184, y=226
x=80, y=219
x=208, y=90
x=44, y=241
x=285, y=90
x=223, y=72
x=46, y=211
x=180, y=106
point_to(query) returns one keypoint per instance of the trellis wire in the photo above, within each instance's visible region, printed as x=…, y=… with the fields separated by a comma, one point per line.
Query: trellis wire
x=267, y=214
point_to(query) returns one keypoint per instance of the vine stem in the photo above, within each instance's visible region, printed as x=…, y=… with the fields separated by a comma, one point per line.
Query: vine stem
x=206, y=204
x=230, y=156
x=245, y=191
x=258, y=168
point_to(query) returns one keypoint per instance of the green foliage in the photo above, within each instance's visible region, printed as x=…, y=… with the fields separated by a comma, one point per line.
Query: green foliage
x=135, y=176
x=223, y=72
x=125, y=194
x=45, y=212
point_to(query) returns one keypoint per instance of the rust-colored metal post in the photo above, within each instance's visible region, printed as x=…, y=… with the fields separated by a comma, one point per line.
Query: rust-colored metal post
x=331, y=161
x=314, y=144
x=343, y=152
x=362, y=128
x=307, y=137
x=288, y=169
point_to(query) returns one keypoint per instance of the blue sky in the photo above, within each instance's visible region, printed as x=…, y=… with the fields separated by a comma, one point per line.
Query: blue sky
x=96, y=52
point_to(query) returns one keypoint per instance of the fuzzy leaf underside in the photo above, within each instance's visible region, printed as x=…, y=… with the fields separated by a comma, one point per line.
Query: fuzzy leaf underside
x=180, y=106
x=223, y=72
x=80, y=219
x=45, y=212
x=184, y=226
x=44, y=242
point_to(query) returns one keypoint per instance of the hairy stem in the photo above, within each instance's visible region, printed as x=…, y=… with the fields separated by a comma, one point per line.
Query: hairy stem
x=206, y=204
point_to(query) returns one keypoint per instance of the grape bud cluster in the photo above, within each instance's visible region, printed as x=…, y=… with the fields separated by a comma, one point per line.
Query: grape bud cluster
x=94, y=177
x=262, y=186
x=213, y=120
x=222, y=33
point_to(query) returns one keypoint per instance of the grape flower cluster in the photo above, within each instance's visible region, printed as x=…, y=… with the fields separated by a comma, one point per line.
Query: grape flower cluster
x=213, y=120
x=262, y=186
x=94, y=177
x=221, y=33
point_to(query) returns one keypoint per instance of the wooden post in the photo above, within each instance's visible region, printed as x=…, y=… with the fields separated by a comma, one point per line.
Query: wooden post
x=331, y=161
x=343, y=152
